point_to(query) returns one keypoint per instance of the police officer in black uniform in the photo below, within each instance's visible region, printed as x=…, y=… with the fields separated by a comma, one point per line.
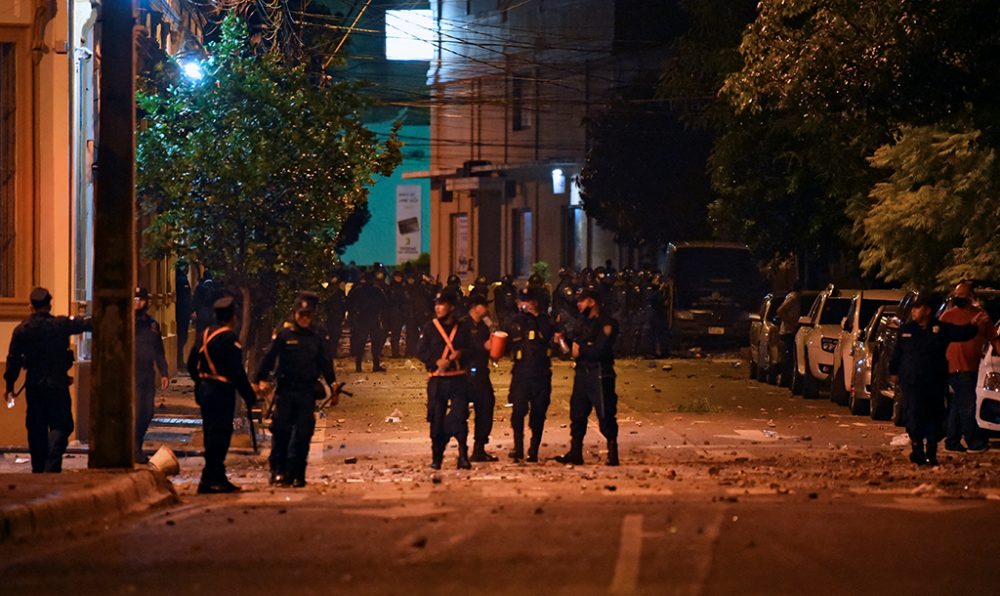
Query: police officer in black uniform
x=148, y=352
x=921, y=366
x=334, y=310
x=216, y=365
x=594, y=378
x=301, y=351
x=477, y=362
x=40, y=345
x=531, y=333
x=366, y=307
x=395, y=296
x=505, y=298
x=442, y=342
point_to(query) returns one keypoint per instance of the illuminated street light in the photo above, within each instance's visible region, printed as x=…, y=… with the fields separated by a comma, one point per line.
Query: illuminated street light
x=192, y=71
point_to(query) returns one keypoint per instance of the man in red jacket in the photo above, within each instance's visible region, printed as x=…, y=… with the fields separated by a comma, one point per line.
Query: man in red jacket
x=963, y=370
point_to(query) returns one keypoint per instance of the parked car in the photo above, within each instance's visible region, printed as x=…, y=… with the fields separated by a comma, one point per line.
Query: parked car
x=882, y=393
x=865, y=346
x=764, y=326
x=859, y=314
x=988, y=382
x=816, y=340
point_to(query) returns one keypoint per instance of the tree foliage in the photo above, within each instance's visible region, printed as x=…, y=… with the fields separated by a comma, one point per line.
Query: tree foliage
x=254, y=170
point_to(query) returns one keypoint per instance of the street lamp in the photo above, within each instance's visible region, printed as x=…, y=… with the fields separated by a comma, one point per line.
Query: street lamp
x=191, y=69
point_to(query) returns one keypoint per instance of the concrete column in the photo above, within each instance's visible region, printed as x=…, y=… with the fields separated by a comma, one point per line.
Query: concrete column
x=113, y=377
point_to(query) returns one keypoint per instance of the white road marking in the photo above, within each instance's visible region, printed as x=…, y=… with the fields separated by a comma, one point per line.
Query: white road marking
x=925, y=505
x=626, y=578
x=703, y=562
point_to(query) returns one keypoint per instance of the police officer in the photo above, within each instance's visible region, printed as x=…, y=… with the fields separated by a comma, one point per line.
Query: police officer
x=531, y=333
x=40, y=345
x=594, y=378
x=216, y=365
x=201, y=303
x=442, y=342
x=334, y=310
x=182, y=308
x=416, y=309
x=300, y=350
x=477, y=362
x=148, y=352
x=395, y=295
x=505, y=297
x=921, y=367
x=366, y=307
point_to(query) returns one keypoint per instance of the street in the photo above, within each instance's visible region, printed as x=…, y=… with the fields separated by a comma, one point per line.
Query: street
x=727, y=486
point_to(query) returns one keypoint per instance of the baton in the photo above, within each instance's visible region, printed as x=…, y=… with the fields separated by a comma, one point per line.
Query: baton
x=253, y=432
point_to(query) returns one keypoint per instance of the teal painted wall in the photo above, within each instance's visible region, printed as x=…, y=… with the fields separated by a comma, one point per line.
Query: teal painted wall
x=378, y=239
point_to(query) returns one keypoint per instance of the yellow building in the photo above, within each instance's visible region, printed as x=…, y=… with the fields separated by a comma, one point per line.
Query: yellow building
x=47, y=114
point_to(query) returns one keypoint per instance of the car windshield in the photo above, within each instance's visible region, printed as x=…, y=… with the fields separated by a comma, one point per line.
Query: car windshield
x=834, y=310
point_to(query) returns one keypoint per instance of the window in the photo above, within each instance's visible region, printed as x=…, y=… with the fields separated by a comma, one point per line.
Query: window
x=8, y=197
x=524, y=242
x=574, y=237
x=520, y=111
x=459, y=243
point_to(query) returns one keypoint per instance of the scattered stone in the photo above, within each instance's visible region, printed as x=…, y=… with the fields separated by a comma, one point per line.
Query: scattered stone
x=350, y=460
x=171, y=522
x=539, y=511
x=667, y=368
x=813, y=495
x=420, y=542
x=610, y=487
x=436, y=479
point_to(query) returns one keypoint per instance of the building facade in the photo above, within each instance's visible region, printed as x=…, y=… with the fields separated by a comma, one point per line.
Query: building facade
x=513, y=85
x=49, y=64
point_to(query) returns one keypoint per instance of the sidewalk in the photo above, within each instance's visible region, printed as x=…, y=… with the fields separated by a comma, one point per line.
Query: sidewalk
x=32, y=505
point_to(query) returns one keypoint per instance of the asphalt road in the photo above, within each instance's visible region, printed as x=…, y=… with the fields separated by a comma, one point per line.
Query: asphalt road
x=728, y=487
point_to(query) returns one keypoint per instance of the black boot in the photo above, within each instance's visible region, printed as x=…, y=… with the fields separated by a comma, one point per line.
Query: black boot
x=278, y=477
x=437, y=456
x=574, y=455
x=536, y=441
x=357, y=365
x=297, y=472
x=917, y=453
x=932, y=452
x=463, y=457
x=517, y=453
x=479, y=453
x=612, y=452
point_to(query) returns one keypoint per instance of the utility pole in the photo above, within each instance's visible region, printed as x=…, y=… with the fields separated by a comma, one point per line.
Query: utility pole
x=111, y=417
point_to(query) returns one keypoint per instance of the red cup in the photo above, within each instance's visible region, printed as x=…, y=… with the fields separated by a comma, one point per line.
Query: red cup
x=498, y=344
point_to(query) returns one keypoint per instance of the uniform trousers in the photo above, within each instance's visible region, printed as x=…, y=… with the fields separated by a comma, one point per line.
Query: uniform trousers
x=292, y=427
x=448, y=410
x=218, y=404
x=484, y=401
x=593, y=390
x=49, y=422
x=530, y=393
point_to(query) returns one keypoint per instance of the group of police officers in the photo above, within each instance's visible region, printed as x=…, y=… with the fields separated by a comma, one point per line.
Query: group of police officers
x=456, y=334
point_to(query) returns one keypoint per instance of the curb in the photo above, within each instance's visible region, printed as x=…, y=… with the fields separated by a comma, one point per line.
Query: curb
x=98, y=496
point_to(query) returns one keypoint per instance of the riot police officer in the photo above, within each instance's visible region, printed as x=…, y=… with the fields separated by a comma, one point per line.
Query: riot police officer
x=216, y=365
x=594, y=378
x=40, y=345
x=505, y=298
x=416, y=309
x=531, y=334
x=442, y=342
x=366, y=308
x=477, y=362
x=395, y=295
x=300, y=350
x=334, y=310
x=148, y=352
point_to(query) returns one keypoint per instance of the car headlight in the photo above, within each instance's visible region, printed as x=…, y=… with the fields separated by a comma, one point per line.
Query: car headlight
x=684, y=315
x=829, y=344
x=992, y=382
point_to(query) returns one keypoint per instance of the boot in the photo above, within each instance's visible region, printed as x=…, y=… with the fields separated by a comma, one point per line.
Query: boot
x=932, y=452
x=479, y=453
x=574, y=455
x=612, y=452
x=357, y=365
x=278, y=477
x=917, y=453
x=377, y=367
x=437, y=456
x=463, y=457
x=297, y=472
x=517, y=453
x=536, y=441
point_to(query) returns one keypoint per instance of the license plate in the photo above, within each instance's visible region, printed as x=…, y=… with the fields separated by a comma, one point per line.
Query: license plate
x=716, y=330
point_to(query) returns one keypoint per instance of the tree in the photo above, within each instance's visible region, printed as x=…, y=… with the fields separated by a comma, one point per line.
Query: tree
x=254, y=171
x=832, y=81
x=644, y=178
x=933, y=221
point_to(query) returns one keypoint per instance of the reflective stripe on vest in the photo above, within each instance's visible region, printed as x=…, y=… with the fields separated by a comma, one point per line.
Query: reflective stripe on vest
x=213, y=375
x=449, y=350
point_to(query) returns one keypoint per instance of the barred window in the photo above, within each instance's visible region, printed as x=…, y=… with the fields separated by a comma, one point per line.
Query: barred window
x=7, y=168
